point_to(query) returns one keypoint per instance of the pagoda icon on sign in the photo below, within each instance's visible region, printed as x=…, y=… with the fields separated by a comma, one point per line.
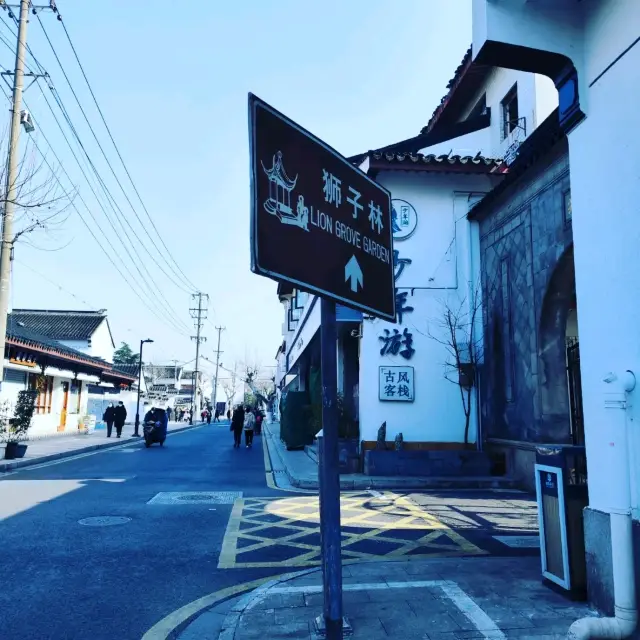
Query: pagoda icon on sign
x=279, y=201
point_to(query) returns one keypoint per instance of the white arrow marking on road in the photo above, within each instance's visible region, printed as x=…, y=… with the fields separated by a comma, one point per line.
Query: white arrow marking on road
x=354, y=272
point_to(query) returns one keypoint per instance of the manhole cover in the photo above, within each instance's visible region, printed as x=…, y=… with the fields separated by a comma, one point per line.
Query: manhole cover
x=205, y=497
x=200, y=497
x=104, y=521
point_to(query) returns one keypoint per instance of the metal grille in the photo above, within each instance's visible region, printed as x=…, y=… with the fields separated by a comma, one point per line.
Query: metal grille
x=575, y=391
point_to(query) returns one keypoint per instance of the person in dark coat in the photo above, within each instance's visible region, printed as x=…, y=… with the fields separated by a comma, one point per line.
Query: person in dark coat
x=228, y=414
x=237, y=424
x=168, y=414
x=120, y=417
x=109, y=417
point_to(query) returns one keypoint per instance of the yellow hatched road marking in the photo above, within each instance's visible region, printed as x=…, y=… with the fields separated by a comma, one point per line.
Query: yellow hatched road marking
x=374, y=518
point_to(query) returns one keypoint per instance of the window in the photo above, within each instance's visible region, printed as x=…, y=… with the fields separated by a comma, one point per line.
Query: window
x=480, y=108
x=510, y=115
x=44, y=386
x=75, y=393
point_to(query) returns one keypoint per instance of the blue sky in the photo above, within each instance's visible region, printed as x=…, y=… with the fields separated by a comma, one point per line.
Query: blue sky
x=172, y=80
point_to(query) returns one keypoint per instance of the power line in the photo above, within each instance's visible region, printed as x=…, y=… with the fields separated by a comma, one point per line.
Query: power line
x=178, y=324
x=184, y=278
x=148, y=291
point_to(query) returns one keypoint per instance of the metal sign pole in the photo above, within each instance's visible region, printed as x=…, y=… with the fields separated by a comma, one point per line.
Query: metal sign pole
x=330, y=476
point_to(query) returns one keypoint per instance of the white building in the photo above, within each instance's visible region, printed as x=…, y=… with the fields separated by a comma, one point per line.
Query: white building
x=591, y=50
x=401, y=373
x=61, y=375
x=85, y=331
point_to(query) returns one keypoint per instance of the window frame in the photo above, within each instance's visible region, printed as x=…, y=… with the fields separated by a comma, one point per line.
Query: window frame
x=508, y=123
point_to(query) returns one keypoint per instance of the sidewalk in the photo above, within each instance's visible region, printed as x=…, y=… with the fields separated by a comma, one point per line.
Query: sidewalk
x=63, y=446
x=445, y=599
x=302, y=471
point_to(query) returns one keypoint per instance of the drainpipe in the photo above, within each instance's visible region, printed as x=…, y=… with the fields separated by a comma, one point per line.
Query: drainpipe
x=623, y=624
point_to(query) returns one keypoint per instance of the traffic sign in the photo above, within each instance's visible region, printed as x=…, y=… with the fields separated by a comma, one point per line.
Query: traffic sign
x=317, y=221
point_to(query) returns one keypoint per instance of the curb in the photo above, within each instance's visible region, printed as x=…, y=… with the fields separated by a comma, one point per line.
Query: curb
x=21, y=464
x=293, y=480
x=348, y=484
x=249, y=600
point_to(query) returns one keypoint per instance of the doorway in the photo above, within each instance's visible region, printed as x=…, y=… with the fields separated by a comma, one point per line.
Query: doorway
x=65, y=406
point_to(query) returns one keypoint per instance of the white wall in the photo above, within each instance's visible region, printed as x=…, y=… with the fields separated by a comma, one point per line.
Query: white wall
x=443, y=264
x=605, y=189
x=606, y=257
x=537, y=98
x=101, y=343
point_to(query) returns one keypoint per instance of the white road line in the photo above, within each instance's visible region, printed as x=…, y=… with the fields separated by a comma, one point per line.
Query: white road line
x=362, y=586
x=485, y=625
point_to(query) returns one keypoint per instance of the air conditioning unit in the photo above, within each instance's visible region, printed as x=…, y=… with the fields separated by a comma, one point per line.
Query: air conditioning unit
x=26, y=121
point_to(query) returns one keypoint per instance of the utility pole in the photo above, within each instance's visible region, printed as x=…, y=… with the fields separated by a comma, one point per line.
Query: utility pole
x=214, y=395
x=6, y=248
x=198, y=314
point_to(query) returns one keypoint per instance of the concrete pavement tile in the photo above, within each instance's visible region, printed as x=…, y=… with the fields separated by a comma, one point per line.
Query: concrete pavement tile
x=504, y=618
x=348, y=597
x=367, y=628
x=454, y=635
x=258, y=618
x=297, y=615
x=423, y=570
x=399, y=626
x=392, y=595
x=544, y=620
x=280, y=601
x=424, y=602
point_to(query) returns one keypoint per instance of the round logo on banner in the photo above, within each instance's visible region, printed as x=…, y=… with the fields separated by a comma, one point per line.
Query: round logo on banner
x=404, y=219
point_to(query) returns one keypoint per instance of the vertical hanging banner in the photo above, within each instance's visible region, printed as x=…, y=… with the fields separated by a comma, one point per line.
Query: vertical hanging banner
x=317, y=221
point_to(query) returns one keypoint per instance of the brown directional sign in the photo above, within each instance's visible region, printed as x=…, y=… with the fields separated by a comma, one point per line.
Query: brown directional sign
x=317, y=221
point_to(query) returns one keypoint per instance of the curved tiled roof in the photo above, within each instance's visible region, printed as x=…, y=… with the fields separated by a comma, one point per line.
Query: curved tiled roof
x=23, y=336
x=477, y=162
x=60, y=325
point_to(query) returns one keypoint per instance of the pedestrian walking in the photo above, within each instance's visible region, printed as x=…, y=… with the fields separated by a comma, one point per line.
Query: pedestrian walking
x=109, y=417
x=259, y=419
x=168, y=414
x=237, y=424
x=217, y=416
x=208, y=416
x=249, y=424
x=228, y=414
x=120, y=417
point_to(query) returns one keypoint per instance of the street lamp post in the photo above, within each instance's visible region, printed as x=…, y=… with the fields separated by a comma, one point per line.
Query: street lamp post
x=136, y=433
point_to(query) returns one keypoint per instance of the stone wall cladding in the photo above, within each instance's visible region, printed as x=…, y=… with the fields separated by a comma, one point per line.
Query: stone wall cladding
x=526, y=227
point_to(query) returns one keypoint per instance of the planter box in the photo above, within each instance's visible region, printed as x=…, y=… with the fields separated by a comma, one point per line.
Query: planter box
x=14, y=450
x=440, y=463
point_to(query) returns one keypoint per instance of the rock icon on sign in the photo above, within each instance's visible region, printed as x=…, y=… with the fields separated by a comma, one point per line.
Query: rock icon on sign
x=353, y=272
x=279, y=201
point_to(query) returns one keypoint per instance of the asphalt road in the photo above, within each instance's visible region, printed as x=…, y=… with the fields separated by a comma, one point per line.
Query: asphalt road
x=66, y=580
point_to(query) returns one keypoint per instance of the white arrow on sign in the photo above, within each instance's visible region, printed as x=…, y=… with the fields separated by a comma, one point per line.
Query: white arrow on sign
x=354, y=272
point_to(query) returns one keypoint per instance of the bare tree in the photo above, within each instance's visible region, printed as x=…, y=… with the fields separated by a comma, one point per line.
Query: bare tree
x=40, y=202
x=229, y=385
x=456, y=329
